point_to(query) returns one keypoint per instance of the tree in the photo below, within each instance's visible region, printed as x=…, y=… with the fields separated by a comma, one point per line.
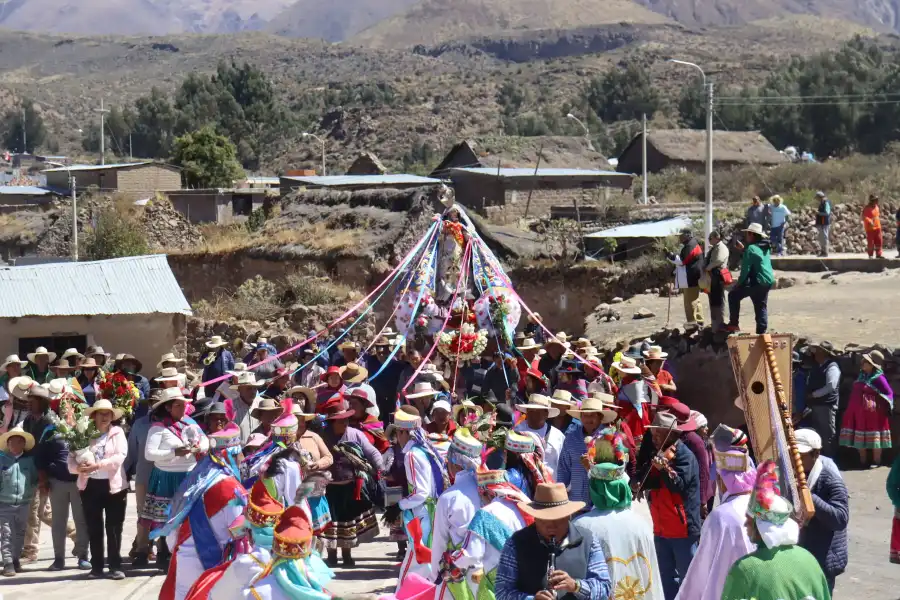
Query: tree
x=116, y=233
x=27, y=118
x=209, y=160
x=511, y=96
x=624, y=92
x=154, y=125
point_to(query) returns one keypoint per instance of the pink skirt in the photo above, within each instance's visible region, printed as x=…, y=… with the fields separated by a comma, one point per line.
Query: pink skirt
x=866, y=429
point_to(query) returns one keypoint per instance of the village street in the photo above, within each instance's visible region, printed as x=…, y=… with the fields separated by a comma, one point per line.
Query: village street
x=869, y=576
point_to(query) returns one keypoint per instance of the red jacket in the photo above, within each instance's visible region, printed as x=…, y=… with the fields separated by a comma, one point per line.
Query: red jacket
x=674, y=498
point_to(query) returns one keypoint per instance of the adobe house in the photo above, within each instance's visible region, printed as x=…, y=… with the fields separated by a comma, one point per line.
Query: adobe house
x=220, y=206
x=15, y=197
x=367, y=164
x=506, y=194
x=132, y=305
x=686, y=149
x=135, y=179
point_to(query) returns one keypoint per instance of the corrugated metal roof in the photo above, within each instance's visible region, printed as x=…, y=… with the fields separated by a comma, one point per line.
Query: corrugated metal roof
x=23, y=190
x=374, y=180
x=654, y=229
x=121, y=286
x=507, y=172
x=97, y=167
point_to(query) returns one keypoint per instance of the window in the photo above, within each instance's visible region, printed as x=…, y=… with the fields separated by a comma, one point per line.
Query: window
x=55, y=343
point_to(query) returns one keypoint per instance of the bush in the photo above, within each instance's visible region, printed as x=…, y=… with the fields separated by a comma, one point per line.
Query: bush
x=310, y=288
x=116, y=233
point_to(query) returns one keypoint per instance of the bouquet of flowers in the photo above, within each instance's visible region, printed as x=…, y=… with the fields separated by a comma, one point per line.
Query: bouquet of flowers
x=119, y=390
x=76, y=428
x=465, y=343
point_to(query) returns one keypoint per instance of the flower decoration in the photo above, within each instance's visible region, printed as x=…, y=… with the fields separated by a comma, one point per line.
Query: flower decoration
x=74, y=426
x=120, y=391
x=464, y=343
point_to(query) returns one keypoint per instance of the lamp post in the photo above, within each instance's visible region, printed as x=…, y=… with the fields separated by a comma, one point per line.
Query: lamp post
x=587, y=133
x=321, y=141
x=708, y=88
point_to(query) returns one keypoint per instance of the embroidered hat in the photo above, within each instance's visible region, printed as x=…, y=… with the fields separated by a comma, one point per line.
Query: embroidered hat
x=730, y=449
x=262, y=509
x=608, y=472
x=485, y=478
x=465, y=443
x=539, y=402
x=406, y=421
x=284, y=428
x=229, y=437
x=766, y=502
x=293, y=534
x=518, y=443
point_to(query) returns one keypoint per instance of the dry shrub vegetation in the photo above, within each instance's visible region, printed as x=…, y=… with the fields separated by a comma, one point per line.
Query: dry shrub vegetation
x=260, y=299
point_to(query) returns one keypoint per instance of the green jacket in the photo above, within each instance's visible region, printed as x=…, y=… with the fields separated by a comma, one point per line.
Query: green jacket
x=756, y=266
x=893, y=483
x=18, y=476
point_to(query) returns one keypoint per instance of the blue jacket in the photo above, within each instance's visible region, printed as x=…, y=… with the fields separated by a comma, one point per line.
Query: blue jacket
x=224, y=362
x=51, y=456
x=18, y=476
x=826, y=534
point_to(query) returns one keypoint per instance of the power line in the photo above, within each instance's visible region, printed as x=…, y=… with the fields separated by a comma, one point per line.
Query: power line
x=810, y=97
x=849, y=103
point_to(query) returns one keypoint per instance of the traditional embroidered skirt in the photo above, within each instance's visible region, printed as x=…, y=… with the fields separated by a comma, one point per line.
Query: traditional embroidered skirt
x=160, y=491
x=353, y=521
x=321, y=513
x=866, y=429
x=895, y=538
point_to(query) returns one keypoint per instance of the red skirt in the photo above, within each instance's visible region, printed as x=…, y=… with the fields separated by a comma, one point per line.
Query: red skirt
x=865, y=428
x=895, y=538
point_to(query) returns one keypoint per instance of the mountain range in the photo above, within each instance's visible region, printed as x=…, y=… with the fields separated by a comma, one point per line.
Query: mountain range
x=402, y=23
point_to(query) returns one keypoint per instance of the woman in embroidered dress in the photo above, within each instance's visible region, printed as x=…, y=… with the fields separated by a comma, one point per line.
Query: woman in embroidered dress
x=316, y=460
x=174, y=444
x=867, y=421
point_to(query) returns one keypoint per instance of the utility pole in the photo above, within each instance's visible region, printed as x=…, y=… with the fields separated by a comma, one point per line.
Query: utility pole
x=130, y=151
x=707, y=229
x=644, y=157
x=74, y=223
x=102, y=112
x=24, y=135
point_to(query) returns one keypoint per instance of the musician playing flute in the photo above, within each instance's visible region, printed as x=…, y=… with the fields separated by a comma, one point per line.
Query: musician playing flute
x=669, y=473
x=552, y=559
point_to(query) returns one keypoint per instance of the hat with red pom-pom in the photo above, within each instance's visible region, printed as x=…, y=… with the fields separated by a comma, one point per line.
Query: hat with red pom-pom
x=767, y=503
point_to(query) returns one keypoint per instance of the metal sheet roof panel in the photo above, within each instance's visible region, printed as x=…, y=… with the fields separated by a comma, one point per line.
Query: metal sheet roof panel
x=349, y=180
x=527, y=172
x=121, y=286
x=23, y=190
x=653, y=229
x=97, y=167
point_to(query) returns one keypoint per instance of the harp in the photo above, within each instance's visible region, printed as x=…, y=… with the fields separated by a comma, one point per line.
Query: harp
x=758, y=362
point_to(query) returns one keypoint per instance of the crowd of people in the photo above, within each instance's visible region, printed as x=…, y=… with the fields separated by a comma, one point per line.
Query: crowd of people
x=508, y=478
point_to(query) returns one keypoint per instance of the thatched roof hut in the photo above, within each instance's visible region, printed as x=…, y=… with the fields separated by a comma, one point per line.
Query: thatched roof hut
x=686, y=148
x=521, y=152
x=367, y=164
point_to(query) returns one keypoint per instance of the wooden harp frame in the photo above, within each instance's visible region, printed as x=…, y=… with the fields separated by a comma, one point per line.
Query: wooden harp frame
x=758, y=362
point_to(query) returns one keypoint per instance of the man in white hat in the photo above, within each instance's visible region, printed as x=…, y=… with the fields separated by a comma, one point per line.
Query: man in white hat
x=537, y=412
x=10, y=369
x=755, y=282
x=454, y=511
x=216, y=363
x=525, y=565
x=594, y=412
x=39, y=364
x=247, y=401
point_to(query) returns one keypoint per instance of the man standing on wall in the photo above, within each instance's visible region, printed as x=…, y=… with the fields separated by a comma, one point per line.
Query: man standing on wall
x=691, y=258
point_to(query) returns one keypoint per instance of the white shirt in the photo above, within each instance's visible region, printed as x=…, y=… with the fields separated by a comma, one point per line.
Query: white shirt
x=553, y=440
x=161, y=445
x=453, y=513
x=99, y=452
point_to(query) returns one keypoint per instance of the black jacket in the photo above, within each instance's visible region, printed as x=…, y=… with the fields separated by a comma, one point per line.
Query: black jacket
x=692, y=258
x=825, y=536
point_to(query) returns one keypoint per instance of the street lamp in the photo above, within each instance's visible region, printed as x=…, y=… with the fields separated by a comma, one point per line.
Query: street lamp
x=587, y=133
x=709, y=145
x=321, y=141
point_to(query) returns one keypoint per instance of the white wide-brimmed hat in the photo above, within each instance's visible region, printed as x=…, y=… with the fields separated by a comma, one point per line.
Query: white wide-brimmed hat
x=42, y=351
x=562, y=398
x=757, y=229
x=71, y=353
x=168, y=374
x=169, y=395
x=216, y=341
x=539, y=402
x=655, y=353
x=422, y=389
x=627, y=365
x=529, y=344
x=248, y=378
x=169, y=357
x=105, y=405
x=13, y=359
x=597, y=402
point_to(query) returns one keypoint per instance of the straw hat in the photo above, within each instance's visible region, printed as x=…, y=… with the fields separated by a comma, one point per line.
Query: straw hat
x=757, y=229
x=422, y=389
x=168, y=374
x=297, y=411
x=63, y=365
x=597, y=402
x=138, y=365
x=466, y=404
x=169, y=357
x=169, y=395
x=354, y=373
x=71, y=353
x=265, y=405
x=627, y=365
x=551, y=503
x=655, y=353
x=13, y=359
x=216, y=341
x=20, y=386
x=16, y=431
x=307, y=393
x=529, y=344
x=583, y=343
x=89, y=363
x=105, y=405
x=538, y=402
x=874, y=358
x=248, y=378
x=562, y=398
x=56, y=387
x=558, y=340
x=347, y=345
x=42, y=351
x=239, y=367
x=97, y=351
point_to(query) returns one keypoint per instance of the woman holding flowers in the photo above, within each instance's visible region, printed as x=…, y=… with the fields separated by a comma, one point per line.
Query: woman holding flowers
x=104, y=487
x=174, y=443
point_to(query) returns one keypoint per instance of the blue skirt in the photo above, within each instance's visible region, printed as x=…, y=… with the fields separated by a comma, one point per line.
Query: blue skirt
x=160, y=491
x=321, y=513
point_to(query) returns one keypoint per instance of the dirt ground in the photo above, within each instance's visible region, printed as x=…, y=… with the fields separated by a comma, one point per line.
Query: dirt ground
x=844, y=308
